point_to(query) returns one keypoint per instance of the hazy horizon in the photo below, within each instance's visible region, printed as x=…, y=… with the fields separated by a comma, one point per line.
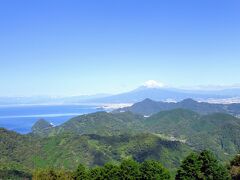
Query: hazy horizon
x=147, y=84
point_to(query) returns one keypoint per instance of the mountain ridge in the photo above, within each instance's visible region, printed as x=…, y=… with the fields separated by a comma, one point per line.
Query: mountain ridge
x=148, y=107
x=157, y=93
x=218, y=131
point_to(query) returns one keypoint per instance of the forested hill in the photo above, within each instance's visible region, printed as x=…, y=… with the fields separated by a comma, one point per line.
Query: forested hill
x=69, y=150
x=148, y=107
x=98, y=138
x=218, y=132
x=100, y=123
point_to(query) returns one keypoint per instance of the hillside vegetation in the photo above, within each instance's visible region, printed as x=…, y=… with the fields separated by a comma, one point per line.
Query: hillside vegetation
x=99, y=138
x=217, y=132
x=68, y=150
x=149, y=107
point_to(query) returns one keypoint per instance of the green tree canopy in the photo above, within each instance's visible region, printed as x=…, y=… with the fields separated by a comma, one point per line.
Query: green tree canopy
x=96, y=173
x=235, y=167
x=81, y=173
x=129, y=170
x=202, y=166
x=52, y=174
x=111, y=172
x=151, y=169
x=190, y=168
x=236, y=161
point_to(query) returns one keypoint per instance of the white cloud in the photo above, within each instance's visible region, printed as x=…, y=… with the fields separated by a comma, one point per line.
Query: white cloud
x=153, y=84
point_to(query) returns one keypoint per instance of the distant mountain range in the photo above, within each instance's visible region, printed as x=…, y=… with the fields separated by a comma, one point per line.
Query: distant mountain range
x=171, y=94
x=153, y=92
x=148, y=107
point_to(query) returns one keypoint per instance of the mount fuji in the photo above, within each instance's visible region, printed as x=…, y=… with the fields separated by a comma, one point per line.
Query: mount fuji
x=159, y=92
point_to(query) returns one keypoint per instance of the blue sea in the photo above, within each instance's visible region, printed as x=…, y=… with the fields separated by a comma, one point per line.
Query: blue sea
x=22, y=118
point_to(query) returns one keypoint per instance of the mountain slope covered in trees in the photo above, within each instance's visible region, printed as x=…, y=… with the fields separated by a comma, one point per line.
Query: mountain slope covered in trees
x=218, y=132
x=97, y=138
x=149, y=107
x=68, y=150
x=100, y=123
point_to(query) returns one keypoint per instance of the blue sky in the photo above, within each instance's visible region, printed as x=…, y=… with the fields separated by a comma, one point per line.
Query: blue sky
x=71, y=47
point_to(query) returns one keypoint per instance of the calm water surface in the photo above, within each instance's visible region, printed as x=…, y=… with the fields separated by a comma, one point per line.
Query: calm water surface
x=21, y=118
